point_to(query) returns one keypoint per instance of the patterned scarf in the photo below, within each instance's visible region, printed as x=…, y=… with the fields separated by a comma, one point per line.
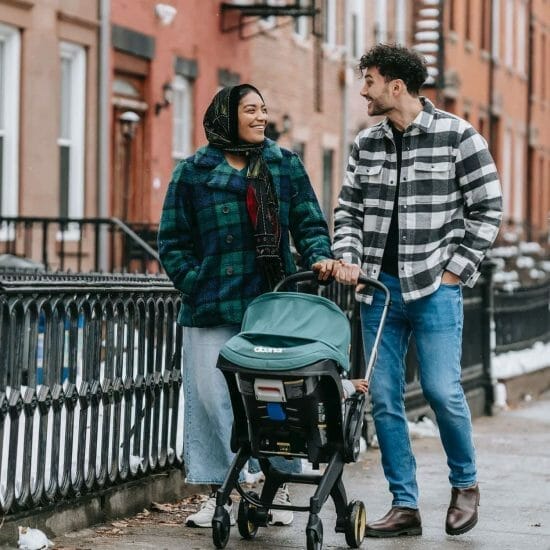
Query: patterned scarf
x=221, y=128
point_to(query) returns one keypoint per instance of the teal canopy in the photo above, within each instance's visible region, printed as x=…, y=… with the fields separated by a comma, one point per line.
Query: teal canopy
x=289, y=330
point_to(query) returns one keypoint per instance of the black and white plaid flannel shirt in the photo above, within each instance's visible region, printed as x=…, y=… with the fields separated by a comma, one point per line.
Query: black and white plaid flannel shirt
x=450, y=201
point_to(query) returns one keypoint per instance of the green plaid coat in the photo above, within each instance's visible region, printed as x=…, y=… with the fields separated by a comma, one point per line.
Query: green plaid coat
x=206, y=241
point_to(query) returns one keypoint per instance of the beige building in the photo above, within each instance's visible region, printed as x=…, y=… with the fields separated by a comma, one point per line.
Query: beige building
x=48, y=107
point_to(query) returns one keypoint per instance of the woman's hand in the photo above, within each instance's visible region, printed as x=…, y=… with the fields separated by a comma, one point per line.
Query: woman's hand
x=326, y=269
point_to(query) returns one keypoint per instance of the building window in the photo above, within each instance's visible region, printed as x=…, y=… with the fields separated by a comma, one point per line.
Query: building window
x=518, y=179
x=328, y=165
x=381, y=21
x=468, y=21
x=301, y=25
x=401, y=22
x=299, y=147
x=485, y=26
x=329, y=22
x=543, y=68
x=509, y=34
x=357, y=29
x=269, y=21
x=182, y=127
x=10, y=50
x=522, y=31
x=507, y=173
x=495, y=46
x=451, y=9
x=71, y=130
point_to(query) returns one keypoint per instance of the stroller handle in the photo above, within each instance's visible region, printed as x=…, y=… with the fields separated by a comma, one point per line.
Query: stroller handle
x=302, y=276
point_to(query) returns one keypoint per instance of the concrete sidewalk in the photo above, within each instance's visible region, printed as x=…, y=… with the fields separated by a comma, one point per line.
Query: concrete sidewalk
x=514, y=473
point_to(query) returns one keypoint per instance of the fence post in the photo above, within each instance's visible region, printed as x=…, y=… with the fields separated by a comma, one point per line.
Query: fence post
x=488, y=329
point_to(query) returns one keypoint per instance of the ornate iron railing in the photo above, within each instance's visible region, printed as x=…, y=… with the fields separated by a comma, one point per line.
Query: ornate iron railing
x=90, y=376
x=522, y=317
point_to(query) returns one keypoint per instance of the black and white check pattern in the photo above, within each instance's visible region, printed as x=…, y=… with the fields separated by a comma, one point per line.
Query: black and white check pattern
x=450, y=202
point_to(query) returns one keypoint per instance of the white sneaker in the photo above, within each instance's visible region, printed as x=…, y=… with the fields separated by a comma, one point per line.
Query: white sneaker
x=281, y=517
x=203, y=518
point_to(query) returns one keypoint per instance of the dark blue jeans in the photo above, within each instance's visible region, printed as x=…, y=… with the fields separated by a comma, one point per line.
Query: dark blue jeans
x=436, y=322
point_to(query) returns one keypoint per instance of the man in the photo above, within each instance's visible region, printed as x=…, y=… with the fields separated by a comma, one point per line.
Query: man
x=418, y=210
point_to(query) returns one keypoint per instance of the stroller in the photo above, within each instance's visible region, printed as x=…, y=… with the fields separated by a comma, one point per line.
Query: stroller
x=283, y=372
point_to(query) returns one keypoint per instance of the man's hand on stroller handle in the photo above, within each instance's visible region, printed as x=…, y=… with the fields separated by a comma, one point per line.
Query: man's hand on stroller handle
x=341, y=271
x=326, y=269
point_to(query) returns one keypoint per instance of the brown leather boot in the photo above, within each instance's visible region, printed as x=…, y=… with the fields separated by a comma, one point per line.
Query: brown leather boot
x=397, y=522
x=462, y=512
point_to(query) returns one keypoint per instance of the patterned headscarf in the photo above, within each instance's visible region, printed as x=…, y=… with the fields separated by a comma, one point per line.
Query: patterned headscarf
x=221, y=123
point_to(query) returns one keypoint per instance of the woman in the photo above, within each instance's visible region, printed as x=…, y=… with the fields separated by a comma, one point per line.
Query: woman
x=224, y=240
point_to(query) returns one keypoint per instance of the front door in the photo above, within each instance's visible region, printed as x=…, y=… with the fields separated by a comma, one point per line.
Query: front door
x=129, y=198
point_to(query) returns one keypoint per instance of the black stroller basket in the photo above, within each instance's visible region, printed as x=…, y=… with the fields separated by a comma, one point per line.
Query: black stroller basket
x=287, y=400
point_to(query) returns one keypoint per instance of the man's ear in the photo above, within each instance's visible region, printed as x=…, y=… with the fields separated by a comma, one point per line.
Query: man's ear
x=398, y=86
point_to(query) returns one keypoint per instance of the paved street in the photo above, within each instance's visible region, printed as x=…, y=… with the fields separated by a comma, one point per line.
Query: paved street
x=514, y=466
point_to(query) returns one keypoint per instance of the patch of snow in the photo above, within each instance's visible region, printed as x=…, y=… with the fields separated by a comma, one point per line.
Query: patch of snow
x=424, y=427
x=537, y=274
x=504, y=252
x=514, y=363
x=530, y=248
x=505, y=276
x=525, y=262
x=510, y=236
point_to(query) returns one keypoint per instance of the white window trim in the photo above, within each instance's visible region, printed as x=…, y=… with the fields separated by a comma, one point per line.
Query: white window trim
x=77, y=54
x=330, y=38
x=181, y=83
x=302, y=23
x=495, y=46
x=359, y=12
x=506, y=175
x=521, y=37
x=401, y=22
x=518, y=182
x=381, y=21
x=509, y=34
x=11, y=38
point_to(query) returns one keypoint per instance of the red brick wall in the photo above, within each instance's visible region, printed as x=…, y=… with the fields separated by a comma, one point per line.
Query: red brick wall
x=193, y=34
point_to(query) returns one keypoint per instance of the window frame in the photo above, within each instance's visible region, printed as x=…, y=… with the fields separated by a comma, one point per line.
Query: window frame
x=183, y=84
x=76, y=142
x=9, y=123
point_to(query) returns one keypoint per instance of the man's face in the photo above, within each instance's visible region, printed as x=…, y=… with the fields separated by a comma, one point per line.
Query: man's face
x=377, y=92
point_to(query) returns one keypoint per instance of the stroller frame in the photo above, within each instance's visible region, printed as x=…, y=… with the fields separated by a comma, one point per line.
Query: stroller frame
x=342, y=447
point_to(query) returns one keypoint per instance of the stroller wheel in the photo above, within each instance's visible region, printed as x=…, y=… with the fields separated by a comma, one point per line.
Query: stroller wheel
x=220, y=527
x=246, y=518
x=356, y=523
x=314, y=537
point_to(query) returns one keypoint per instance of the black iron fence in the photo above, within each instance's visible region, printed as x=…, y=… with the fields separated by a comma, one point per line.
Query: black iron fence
x=90, y=375
x=81, y=244
x=522, y=317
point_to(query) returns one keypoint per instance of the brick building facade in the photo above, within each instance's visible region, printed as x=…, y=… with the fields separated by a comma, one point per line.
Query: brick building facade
x=165, y=60
x=48, y=104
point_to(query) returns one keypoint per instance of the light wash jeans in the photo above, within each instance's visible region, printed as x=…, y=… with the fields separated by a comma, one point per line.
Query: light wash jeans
x=436, y=322
x=208, y=416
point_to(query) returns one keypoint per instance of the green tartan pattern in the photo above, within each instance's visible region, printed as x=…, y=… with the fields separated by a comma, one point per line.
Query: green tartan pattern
x=206, y=241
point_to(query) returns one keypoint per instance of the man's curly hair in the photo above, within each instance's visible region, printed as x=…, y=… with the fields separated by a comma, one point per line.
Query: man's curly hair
x=393, y=61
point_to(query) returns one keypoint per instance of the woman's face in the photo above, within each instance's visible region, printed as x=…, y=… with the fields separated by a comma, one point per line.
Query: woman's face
x=252, y=117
